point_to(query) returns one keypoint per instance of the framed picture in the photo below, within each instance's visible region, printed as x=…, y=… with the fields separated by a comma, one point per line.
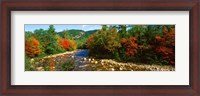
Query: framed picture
x=108, y=47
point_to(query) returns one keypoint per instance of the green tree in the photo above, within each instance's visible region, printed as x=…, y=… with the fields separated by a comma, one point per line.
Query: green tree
x=52, y=42
x=123, y=31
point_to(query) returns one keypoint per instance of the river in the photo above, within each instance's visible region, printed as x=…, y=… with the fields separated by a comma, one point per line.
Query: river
x=79, y=55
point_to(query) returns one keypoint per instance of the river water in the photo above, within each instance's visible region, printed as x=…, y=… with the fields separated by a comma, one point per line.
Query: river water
x=81, y=53
x=79, y=56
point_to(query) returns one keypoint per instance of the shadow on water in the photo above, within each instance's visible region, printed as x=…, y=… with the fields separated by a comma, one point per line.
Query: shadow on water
x=81, y=53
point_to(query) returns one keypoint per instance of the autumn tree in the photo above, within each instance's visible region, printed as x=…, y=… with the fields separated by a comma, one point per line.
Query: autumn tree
x=166, y=45
x=32, y=47
x=104, y=41
x=130, y=46
x=72, y=44
x=65, y=44
x=90, y=41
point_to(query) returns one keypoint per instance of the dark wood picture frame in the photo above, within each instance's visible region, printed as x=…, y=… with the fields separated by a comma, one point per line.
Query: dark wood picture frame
x=99, y=5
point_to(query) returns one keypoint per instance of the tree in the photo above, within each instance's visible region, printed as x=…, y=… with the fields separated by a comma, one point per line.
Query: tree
x=72, y=44
x=28, y=34
x=52, y=42
x=104, y=27
x=32, y=47
x=104, y=41
x=166, y=45
x=122, y=31
x=112, y=40
x=65, y=44
x=130, y=45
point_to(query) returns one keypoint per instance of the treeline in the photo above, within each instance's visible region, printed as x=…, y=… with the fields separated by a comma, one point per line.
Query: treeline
x=46, y=42
x=150, y=44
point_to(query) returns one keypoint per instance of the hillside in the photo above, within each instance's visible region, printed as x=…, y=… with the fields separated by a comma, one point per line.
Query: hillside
x=77, y=34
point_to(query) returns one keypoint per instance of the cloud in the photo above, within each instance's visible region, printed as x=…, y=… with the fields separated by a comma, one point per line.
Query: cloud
x=84, y=26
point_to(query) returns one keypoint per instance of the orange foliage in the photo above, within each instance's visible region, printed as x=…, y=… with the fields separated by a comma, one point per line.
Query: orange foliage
x=32, y=47
x=130, y=45
x=64, y=43
x=90, y=41
x=167, y=45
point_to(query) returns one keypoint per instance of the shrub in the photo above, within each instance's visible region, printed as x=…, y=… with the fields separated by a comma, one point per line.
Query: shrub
x=28, y=65
x=68, y=66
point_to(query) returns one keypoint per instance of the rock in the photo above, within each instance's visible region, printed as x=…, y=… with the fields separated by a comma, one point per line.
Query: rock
x=39, y=68
x=32, y=60
x=36, y=63
x=92, y=61
x=84, y=59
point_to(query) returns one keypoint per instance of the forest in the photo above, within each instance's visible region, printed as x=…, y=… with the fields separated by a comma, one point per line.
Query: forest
x=111, y=48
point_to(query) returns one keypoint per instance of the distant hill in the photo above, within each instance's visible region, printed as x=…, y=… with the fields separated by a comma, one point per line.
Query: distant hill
x=78, y=34
x=72, y=32
x=91, y=31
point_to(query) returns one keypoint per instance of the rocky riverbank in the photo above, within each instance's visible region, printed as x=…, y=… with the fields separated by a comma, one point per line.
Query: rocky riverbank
x=111, y=65
x=84, y=63
x=50, y=62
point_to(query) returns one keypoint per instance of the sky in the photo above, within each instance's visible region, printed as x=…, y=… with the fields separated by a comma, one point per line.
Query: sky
x=61, y=27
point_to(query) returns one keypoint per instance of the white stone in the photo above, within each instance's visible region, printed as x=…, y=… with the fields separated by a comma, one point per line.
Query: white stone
x=84, y=59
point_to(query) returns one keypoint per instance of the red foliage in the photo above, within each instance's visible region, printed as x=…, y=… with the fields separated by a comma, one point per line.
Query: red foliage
x=130, y=45
x=64, y=43
x=159, y=38
x=32, y=47
x=166, y=45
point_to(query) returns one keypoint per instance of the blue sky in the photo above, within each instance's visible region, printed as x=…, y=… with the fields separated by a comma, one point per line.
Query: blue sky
x=61, y=27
